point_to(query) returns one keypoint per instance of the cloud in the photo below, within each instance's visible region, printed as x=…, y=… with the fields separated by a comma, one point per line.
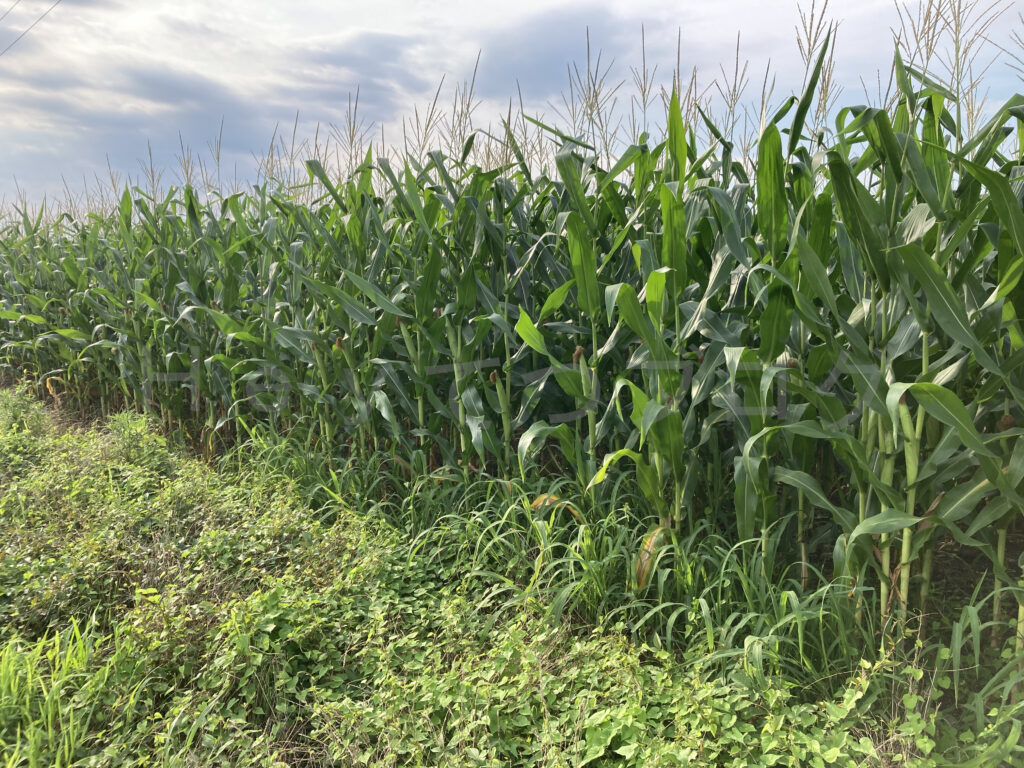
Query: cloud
x=105, y=78
x=379, y=55
x=536, y=52
x=75, y=127
x=379, y=65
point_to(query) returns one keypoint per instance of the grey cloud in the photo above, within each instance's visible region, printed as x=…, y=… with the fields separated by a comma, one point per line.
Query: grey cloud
x=363, y=51
x=81, y=74
x=367, y=59
x=90, y=130
x=183, y=93
x=380, y=66
x=327, y=102
x=88, y=122
x=178, y=88
x=535, y=53
x=49, y=79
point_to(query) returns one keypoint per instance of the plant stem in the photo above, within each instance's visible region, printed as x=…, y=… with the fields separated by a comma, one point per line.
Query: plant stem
x=998, y=595
x=910, y=452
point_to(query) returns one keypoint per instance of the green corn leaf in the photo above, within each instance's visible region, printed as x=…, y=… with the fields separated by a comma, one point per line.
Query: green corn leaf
x=1007, y=208
x=943, y=405
x=861, y=214
x=884, y=522
x=374, y=294
x=528, y=332
x=354, y=309
x=772, y=204
x=678, y=151
x=7, y=314
x=555, y=300
x=807, y=99
x=73, y=333
x=584, y=265
x=943, y=303
x=610, y=460
x=776, y=321
x=654, y=297
x=316, y=170
x=533, y=439
x=802, y=481
x=960, y=501
x=814, y=272
x=569, y=170
x=673, y=241
x=623, y=297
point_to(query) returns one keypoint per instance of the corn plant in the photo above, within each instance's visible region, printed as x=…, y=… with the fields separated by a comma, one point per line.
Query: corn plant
x=813, y=353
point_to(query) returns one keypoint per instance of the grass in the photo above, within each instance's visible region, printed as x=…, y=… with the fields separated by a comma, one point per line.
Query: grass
x=158, y=612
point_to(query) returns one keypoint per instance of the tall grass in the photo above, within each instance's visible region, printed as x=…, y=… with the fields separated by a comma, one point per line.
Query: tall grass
x=38, y=682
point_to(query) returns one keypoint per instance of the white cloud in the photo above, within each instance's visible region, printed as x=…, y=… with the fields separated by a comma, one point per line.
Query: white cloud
x=99, y=79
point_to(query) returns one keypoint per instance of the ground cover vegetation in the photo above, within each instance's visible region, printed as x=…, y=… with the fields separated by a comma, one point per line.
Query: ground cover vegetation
x=155, y=612
x=755, y=401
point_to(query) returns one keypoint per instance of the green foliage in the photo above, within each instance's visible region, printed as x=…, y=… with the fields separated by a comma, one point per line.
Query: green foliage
x=764, y=389
x=170, y=615
x=824, y=345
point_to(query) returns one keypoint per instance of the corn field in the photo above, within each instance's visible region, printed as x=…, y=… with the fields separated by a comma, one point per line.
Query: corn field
x=825, y=335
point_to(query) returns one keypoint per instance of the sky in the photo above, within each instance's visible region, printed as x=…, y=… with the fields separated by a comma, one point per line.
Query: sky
x=105, y=85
